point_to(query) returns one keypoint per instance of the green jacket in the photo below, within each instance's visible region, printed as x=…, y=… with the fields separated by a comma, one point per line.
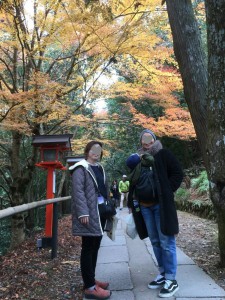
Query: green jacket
x=124, y=186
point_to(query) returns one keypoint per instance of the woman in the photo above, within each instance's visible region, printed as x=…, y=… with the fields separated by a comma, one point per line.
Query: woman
x=115, y=192
x=88, y=190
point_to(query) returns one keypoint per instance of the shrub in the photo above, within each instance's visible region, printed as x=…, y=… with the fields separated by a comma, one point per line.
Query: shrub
x=201, y=183
x=182, y=194
x=5, y=234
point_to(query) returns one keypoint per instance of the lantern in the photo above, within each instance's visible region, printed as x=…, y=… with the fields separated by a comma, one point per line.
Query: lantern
x=51, y=154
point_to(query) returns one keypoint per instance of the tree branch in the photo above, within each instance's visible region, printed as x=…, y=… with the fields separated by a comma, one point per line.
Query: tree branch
x=6, y=84
x=10, y=72
x=7, y=180
x=6, y=191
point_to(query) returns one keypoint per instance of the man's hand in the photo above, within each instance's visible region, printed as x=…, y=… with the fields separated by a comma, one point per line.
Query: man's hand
x=84, y=220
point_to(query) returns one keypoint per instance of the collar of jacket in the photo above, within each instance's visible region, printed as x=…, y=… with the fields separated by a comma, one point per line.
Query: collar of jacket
x=153, y=150
x=83, y=163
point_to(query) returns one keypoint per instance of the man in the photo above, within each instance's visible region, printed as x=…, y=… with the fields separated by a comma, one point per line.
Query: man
x=155, y=177
x=123, y=190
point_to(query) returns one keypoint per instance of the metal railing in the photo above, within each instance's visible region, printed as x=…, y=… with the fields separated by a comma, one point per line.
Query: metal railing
x=53, y=241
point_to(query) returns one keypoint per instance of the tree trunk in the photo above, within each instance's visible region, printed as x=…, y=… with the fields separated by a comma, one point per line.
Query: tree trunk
x=61, y=184
x=17, y=221
x=65, y=206
x=221, y=226
x=17, y=230
x=207, y=112
x=191, y=58
x=21, y=175
x=215, y=12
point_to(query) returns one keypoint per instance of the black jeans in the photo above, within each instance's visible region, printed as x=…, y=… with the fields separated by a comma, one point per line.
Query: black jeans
x=88, y=259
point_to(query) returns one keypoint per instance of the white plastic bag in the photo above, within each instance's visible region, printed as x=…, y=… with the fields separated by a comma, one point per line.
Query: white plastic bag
x=130, y=227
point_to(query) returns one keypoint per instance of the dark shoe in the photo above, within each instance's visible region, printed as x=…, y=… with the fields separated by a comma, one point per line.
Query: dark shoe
x=158, y=282
x=102, y=284
x=97, y=293
x=169, y=289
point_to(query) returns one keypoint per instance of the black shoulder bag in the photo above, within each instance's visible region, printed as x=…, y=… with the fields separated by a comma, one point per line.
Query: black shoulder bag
x=106, y=209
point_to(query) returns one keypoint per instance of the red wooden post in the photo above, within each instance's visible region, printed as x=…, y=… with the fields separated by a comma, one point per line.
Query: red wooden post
x=50, y=195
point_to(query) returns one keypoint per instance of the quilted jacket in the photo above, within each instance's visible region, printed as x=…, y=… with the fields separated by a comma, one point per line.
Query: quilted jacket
x=85, y=200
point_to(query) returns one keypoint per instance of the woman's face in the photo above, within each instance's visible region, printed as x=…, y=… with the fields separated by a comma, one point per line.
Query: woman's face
x=147, y=141
x=95, y=152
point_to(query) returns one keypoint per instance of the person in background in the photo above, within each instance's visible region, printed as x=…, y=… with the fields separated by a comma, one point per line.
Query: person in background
x=123, y=190
x=89, y=187
x=114, y=189
x=156, y=175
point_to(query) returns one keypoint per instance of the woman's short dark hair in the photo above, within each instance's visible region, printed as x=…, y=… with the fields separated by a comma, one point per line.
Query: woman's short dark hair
x=89, y=146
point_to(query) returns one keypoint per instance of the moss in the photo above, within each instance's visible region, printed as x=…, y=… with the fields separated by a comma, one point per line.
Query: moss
x=198, y=207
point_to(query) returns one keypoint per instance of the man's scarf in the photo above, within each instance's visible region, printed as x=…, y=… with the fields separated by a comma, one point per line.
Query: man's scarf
x=147, y=160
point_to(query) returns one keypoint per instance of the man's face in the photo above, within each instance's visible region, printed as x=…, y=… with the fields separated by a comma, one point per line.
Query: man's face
x=147, y=141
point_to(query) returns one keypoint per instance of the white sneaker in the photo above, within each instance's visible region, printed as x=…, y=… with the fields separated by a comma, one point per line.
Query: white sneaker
x=157, y=282
x=169, y=289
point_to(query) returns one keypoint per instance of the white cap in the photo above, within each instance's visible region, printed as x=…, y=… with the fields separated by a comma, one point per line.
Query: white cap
x=124, y=176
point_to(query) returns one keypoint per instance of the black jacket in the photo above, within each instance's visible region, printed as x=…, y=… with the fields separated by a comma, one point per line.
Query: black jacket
x=170, y=175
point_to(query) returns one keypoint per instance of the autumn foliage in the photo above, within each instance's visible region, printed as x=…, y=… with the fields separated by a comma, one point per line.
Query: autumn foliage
x=53, y=53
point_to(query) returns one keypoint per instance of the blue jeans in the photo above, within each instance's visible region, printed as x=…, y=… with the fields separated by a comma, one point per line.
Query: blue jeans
x=164, y=246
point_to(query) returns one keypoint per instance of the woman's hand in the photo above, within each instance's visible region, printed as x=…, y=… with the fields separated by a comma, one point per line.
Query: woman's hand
x=84, y=220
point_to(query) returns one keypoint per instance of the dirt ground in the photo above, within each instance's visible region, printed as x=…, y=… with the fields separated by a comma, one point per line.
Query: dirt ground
x=26, y=273
x=198, y=239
